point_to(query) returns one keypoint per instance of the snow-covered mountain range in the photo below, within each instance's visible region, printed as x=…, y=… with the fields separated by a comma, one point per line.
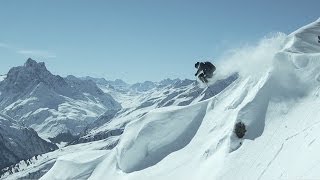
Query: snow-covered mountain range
x=49, y=103
x=174, y=129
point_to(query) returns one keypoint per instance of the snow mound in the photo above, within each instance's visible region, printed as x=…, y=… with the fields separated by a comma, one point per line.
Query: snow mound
x=82, y=162
x=291, y=76
x=305, y=39
x=138, y=149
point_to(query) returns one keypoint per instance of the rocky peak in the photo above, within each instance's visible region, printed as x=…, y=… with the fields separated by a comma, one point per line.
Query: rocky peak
x=32, y=64
x=31, y=70
x=30, y=74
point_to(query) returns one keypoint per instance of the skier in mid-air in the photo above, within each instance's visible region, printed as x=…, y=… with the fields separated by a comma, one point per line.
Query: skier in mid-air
x=205, y=70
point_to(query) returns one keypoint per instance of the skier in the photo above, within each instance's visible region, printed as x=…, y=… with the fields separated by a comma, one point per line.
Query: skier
x=205, y=69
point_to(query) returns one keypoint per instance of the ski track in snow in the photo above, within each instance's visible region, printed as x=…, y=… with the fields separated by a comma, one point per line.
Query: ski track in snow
x=272, y=160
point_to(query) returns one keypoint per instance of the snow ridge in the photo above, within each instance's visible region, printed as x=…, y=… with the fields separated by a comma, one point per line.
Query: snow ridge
x=170, y=139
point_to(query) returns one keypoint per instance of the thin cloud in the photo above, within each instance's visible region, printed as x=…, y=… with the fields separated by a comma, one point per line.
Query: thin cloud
x=4, y=45
x=37, y=53
x=28, y=52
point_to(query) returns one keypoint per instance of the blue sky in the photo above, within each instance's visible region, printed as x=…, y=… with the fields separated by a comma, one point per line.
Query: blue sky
x=138, y=40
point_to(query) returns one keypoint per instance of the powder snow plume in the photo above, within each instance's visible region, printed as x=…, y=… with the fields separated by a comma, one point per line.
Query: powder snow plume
x=252, y=59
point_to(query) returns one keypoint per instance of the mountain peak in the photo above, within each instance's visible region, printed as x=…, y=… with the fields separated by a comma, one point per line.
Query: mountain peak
x=30, y=63
x=30, y=74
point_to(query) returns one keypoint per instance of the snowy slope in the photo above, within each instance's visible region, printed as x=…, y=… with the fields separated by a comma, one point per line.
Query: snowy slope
x=278, y=102
x=36, y=167
x=49, y=103
x=18, y=142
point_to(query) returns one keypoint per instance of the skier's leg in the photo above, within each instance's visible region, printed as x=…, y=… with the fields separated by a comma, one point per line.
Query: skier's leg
x=201, y=77
x=205, y=79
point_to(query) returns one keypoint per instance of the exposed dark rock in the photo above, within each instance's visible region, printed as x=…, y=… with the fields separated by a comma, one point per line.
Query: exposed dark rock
x=97, y=137
x=64, y=137
x=240, y=129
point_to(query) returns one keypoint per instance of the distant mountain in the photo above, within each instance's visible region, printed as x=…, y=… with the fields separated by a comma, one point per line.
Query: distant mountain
x=49, y=103
x=96, y=80
x=142, y=87
x=118, y=83
x=145, y=86
x=18, y=142
x=167, y=82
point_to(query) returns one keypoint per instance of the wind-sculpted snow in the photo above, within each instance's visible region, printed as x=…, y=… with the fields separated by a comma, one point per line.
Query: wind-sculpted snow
x=138, y=149
x=289, y=78
x=282, y=80
x=253, y=114
x=83, y=163
x=304, y=40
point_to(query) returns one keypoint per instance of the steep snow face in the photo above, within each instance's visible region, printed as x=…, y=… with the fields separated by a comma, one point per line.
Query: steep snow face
x=18, y=142
x=51, y=104
x=277, y=98
x=304, y=40
x=142, y=151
